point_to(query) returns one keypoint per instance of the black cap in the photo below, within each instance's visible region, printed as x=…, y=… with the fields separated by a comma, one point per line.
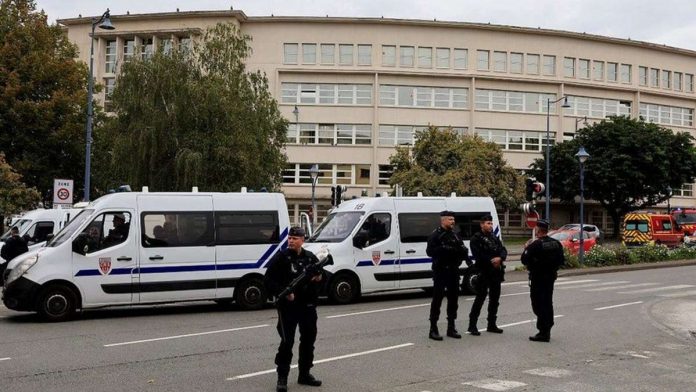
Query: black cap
x=296, y=231
x=487, y=218
x=543, y=224
x=447, y=213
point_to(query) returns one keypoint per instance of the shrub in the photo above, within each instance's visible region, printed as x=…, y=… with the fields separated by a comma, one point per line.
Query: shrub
x=571, y=261
x=600, y=255
x=682, y=253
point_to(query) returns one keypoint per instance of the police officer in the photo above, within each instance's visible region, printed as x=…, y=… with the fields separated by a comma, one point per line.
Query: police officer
x=299, y=308
x=447, y=250
x=14, y=246
x=542, y=257
x=489, y=253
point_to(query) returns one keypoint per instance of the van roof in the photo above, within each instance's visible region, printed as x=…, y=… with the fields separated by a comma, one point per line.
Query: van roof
x=375, y=203
x=124, y=199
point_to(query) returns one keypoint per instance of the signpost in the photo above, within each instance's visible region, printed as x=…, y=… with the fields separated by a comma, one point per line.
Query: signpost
x=62, y=193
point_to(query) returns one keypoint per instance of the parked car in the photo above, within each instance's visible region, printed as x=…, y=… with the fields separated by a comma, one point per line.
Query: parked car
x=592, y=230
x=570, y=239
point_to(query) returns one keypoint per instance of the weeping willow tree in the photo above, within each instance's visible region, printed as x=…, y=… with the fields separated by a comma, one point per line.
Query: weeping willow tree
x=194, y=117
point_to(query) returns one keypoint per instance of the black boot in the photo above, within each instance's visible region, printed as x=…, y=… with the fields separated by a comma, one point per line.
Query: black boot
x=308, y=379
x=452, y=330
x=434, y=333
x=541, y=337
x=493, y=328
x=282, y=385
x=472, y=328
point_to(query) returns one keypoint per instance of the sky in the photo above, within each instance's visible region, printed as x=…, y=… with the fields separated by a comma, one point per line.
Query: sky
x=669, y=22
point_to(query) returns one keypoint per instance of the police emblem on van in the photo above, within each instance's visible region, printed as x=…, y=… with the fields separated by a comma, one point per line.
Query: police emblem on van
x=376, y=257
x=105, y=265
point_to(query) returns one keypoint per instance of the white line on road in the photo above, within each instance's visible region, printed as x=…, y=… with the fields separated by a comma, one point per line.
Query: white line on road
x=680, y=294
x=495, y=385
x=5, y=359
x=186, y=336
x=654, y=289
x=549, y=372
x=618, y=306
x=583, y=286
x=502, y=295
x=248, y=375
x=576, y=281
x=524, y=322
x=625, y=286
x=525, y=282
x=377, y=311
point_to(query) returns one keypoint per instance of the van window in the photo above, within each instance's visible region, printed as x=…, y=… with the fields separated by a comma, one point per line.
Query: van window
x=376, y=228
x=417, y=227
x=467, y=223
x=337, y=227
x=106, y=230
x=70, y=228
x=639, y=225
x=39, y=231
x=20, y=225
x=246, y=227
x=666, y=225
x=180, y=228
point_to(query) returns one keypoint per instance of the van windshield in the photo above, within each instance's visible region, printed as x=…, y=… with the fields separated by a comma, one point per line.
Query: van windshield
x=337, y=227
x=685, y=218
x=70, y=228
x=639, y=225
x=21, y=224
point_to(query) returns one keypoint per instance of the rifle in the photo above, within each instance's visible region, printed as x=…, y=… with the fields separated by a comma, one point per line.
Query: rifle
x=324, y=260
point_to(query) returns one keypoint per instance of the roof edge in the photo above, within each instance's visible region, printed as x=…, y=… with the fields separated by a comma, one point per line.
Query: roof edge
x=237, y=14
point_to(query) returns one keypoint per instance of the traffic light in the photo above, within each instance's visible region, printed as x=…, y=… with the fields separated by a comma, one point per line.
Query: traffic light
x=529, y=189
x=340, y=190
x=529, y=208
x=537, y=189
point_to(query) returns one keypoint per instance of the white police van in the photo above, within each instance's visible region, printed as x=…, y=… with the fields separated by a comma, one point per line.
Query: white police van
x=38, y=225
x=144, y=248
x=378, y=244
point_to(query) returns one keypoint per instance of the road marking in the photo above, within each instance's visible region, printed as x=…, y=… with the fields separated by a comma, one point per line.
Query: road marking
x=644, y=355
x=625, y=286
x=248, y=375
x=549, y=372
x=583, y=286
x=186, y=336
x=524, y=322
x=378, y=311
x=525, y=282
x=495, y=385
x=682, y=294
x=576, y=281
x=618, y=306
x=654, y=289
x=5, y=359
x=672, y=346
x=502, y=295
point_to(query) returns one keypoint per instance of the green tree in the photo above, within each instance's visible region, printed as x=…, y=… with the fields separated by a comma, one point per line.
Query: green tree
x=631, y=165
x=441, y=162
x=15, y=197
x=42, y=97
x=195, y=117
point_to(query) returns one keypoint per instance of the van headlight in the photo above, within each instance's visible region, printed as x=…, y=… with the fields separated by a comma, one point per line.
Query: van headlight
x=21, y=268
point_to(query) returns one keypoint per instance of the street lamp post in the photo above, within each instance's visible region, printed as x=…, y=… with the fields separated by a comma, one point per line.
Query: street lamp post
x=669, y=196
x=577, y=121
x=582, y=157
x=548, y=149
x=104, y=22
x=314, y=174
x=296, y=112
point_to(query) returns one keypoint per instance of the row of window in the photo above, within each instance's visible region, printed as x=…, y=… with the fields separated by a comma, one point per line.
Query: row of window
x=422, y=96
x=666, y=79
x=326, y=94
x=516, y=140
x=405, y=135
x=595, y=69
x=667, y=115
x=142, y=48
x=330, y=134
x=596, y=107
x=514, y=101
x=341, y=174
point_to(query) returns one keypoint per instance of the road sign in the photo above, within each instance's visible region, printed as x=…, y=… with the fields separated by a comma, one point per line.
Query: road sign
x=532, y=219
x=62, y=191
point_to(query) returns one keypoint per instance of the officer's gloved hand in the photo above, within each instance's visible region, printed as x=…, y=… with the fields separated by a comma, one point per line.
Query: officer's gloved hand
x=313, y=270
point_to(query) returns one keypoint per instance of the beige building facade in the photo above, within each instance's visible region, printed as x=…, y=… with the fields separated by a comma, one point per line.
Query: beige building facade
x=354, y=88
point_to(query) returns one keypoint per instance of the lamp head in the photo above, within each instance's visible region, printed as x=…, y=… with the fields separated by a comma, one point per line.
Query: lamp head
x=565, y=103
x=106, y=21
x=314, y=171
x=582, y=155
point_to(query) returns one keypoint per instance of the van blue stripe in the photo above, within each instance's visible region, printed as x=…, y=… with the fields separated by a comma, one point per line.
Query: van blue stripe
x=368, y=263
x=193, y=268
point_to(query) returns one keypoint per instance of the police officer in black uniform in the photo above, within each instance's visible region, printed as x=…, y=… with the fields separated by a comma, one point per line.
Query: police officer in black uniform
x=299, y=308
x=14, y=246
x=489, y=253
x=447, y=250
x=543, y=257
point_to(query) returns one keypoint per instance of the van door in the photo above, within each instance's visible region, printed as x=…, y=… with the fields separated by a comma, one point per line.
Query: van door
x=177, y=249
x=417, y=220
x=105, y=258
x=376, y=250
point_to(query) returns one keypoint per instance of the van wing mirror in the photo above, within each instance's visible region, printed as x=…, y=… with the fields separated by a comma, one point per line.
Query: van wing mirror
x=50, y=236
x=360, y=239
x=79, y=244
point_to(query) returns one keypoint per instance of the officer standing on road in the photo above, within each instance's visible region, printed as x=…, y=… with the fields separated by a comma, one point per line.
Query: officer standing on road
x=447, y=250
x=543, y=257
x=299, y=308
x=489, y=253
x=14, y=246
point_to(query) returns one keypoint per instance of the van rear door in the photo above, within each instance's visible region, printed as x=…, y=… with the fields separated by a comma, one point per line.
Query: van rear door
x=177, y=252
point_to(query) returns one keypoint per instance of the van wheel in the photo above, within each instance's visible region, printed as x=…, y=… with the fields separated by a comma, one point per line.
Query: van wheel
x=250, y=294
x=471, y=281
x=344, y=289
x=56, y=303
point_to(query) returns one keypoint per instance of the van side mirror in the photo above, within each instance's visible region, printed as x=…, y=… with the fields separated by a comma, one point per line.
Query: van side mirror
x=50, y=236
x=79, y=244
x=360, y=239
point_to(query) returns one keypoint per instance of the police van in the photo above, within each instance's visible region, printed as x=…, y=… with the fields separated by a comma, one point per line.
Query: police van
x=38, y=225
x=379, y=244
x=146, y=247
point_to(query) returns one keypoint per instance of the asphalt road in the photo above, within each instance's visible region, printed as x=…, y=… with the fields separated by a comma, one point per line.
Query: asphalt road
x=625, y=331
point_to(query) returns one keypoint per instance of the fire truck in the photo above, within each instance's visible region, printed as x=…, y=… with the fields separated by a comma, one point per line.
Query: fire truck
x=643, y=228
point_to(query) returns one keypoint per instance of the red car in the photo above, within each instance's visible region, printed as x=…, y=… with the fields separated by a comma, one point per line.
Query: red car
x=570, y=239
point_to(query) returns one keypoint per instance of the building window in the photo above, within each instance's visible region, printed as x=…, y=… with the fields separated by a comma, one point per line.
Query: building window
x=597, y=107
x=388, y=55
x=128, y=49
x=185, y=44
x=569, y=67
x=326, y=94
x=598, y=70
x=110, y=61
x=364, y=54
x=678, y=81
x=583, y=69
x=533, y=64
x=443, y=58
x=612, y=72
x=667, y=115
x=689, y=83
x=625, y=73
x=405, y=135
x=666, y=81
x=483, y=60
x=290, y=54
x=309, y=53
x=513, y=101
x=643, y=76
x=343, y=174
x=685, y=191
x=422, y=96
x=500, y=61
x=654, y=77
x=385, y=173
x=514, y=140
x=328, y=54
x=330, y=134
x=109, y=85
x=549, y=65
x=167, y=45
x=345, y=54
x=406, y=54
x=516, y=61
x=147, y=49
x=425, y=57
x=461, y=59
